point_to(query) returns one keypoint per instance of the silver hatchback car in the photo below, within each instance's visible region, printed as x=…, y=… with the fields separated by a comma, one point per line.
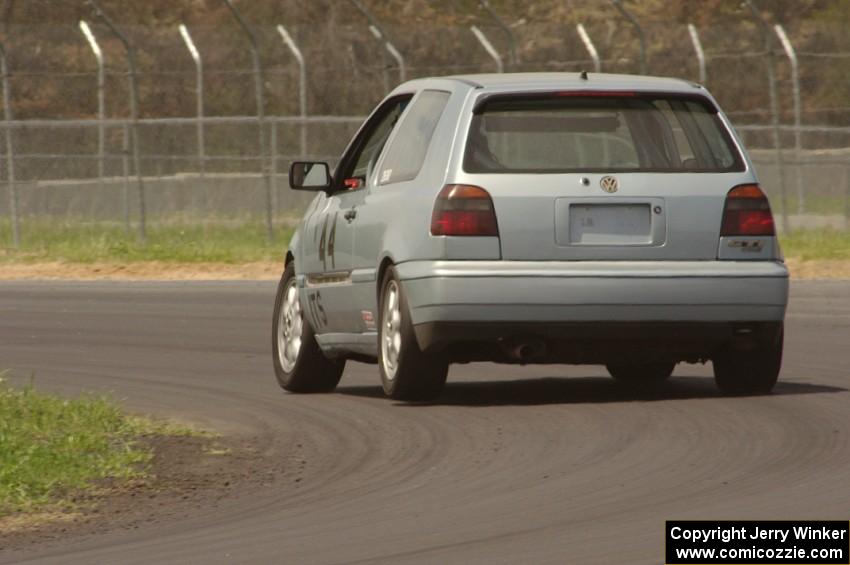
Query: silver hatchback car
x=534, y=218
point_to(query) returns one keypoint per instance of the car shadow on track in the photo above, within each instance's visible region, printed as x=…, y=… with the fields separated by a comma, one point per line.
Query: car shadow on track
x=578, y=390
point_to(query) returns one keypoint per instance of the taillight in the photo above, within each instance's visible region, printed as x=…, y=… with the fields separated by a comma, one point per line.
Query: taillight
x=464, y=210
x=747, y=212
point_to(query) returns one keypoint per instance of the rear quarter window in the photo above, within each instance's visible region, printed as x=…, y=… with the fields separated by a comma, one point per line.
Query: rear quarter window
x=407, y=152
x=566, y=132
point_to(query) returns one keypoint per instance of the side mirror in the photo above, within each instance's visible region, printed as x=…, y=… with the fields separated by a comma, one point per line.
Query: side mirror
x=305, y=175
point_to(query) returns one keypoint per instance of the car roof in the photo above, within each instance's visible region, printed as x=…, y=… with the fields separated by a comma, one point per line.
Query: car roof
x=510, y=82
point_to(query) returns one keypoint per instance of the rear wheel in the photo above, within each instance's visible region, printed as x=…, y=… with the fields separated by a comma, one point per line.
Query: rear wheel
x=751, y=371
x=407, y=373
x=641, y=372
x=299, y=364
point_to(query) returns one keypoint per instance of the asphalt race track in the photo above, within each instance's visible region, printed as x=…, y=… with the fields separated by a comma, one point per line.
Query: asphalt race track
x=513, y=464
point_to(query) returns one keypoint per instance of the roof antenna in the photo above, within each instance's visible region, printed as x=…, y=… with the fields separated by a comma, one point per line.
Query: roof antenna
x=583, y=75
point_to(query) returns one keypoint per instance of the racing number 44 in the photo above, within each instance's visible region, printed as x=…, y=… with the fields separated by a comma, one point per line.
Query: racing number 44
x=326, y=243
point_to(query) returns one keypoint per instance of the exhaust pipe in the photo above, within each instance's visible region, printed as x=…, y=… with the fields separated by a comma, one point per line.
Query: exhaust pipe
x=524, y=350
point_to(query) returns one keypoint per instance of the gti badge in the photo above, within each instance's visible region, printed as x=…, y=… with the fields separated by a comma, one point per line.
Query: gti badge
x=749, y=245
x=609, y=184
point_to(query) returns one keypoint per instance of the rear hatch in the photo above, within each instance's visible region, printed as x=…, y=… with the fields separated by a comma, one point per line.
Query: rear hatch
x=604, y=175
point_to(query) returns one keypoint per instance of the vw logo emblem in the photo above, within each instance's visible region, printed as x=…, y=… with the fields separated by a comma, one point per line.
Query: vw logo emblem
x=609, y=184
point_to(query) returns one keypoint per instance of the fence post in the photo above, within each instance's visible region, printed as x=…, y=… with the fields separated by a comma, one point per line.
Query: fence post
x=125, y=167
x=692, y=30
x=101, y=97
x=273, y=163
x=394, y=53
x=261, y=116
x=641, y=35
x=10, y=151
x=846, y=197
x=512, y=52
x=302, y=85
x=489, y=48
x=795, y=92
x=371, y=21
x=134, y=112
x=199, y=104
x=774, y=108
x=591, y=48
x=379, y=34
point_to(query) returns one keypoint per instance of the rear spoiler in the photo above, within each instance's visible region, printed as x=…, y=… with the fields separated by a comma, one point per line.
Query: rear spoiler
x=485, y=99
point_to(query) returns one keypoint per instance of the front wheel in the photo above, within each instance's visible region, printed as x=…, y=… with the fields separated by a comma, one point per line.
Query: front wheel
x=299, y=364
x=753, y=371
x=407, y=373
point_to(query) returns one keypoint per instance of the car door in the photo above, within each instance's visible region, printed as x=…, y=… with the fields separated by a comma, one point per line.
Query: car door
x=317, y=262
x=333, y=225
x=393, y=190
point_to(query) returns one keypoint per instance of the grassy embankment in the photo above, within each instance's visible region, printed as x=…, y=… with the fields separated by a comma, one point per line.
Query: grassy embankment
x=813, y=245
x=53, y=448
x=44, y=241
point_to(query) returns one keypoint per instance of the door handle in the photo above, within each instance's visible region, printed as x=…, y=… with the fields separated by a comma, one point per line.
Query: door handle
x=350, y=214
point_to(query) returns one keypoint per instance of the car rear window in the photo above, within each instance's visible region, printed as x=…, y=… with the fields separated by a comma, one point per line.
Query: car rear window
x=575, y=132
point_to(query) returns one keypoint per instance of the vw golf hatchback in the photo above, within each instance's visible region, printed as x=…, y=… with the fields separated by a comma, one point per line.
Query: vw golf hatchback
x=534, y=218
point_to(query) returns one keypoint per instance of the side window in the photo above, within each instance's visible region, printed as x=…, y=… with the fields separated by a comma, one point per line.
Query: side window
x=359, y=164
x=407, y=153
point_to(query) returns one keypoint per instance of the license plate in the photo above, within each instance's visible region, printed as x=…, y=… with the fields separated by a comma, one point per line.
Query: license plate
x=610, y=224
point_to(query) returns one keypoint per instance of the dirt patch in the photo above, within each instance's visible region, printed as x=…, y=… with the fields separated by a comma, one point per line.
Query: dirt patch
x=819, y=269
x=187, y=474
x=149, y=270
x=156, y=270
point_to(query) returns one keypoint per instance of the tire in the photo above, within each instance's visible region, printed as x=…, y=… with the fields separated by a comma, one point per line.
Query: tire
x=755, y=371
x=641, y=372
x=406, y=372
x=306, y=369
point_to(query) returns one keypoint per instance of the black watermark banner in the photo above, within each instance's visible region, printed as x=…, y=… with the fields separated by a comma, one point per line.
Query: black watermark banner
x=755, y=542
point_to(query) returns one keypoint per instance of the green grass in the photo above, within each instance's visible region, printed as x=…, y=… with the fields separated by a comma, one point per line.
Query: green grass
x=811, y=245
x=245, y=241
x=51, y=447
x=177, y=242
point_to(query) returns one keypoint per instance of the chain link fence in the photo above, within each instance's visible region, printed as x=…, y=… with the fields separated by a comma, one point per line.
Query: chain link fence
x=205, y=151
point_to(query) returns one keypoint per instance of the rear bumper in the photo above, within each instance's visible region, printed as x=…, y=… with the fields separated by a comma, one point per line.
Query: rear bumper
x=475, y=294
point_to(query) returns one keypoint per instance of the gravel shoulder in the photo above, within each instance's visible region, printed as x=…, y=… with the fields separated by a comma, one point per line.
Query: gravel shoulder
x=143, y=270
x=188, y=475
